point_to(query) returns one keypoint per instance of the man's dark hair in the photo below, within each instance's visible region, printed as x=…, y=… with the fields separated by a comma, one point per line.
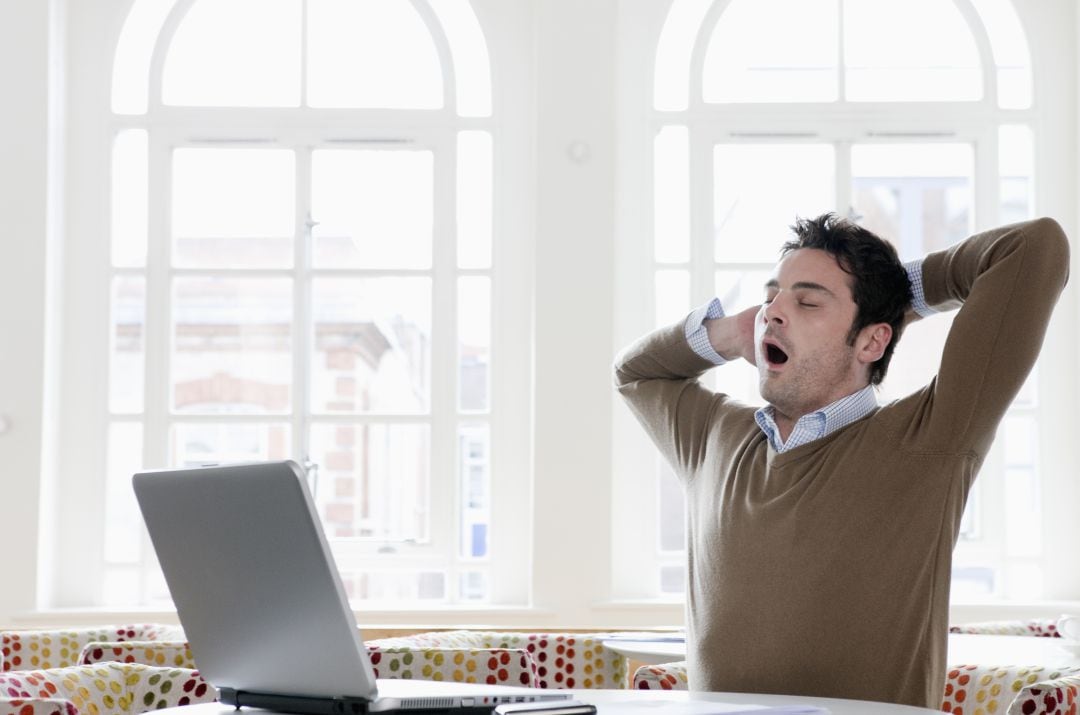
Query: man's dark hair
x=879, y=282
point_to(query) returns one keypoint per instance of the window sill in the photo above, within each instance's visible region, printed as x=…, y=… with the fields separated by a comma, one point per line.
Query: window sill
x=410, y=619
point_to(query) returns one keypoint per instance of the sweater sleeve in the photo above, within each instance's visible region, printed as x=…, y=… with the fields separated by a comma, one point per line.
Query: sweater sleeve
x=1006, y=282
x=658, y=377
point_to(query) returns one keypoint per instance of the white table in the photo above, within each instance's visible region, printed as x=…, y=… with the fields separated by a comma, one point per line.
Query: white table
x=645, y=702
x=964, y=649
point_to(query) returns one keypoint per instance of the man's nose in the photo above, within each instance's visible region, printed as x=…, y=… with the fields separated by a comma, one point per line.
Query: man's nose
x=774, y=312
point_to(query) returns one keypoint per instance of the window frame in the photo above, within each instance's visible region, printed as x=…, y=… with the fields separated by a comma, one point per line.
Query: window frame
x=79, y=566
x=839, y=123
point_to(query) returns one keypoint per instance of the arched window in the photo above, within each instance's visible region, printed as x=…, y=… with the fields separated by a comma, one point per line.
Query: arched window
x=303, y=264
x=764, y=110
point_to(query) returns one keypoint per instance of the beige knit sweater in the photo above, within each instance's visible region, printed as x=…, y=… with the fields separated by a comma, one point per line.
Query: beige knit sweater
x=824, y=570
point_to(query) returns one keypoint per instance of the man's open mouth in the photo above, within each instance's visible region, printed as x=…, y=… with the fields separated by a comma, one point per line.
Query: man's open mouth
x=774, y=354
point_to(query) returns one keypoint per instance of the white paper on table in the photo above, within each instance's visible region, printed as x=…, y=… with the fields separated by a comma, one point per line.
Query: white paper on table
x=701, y=707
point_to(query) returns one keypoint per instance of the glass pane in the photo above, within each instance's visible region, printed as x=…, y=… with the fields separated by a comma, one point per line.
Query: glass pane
x=371, y=54
x=672, y=296
x=473, y=586
x=917, y=196
x=474, y=199
x=1024, y=582
x=671, y=509
x=127, y=345
x=233, y=208
x=1023, y=512
x=123, y=520
x=753, y=58
x=129, y=197
x=1016, y=170
x=1021, y=441
x=131, y=63
x=671, y=195
x=474, y=343
x=672, y=580
x=738, y=290
x=221, y=443
x=884, y=65
x=232, y=345
x=472, y=69
x=122, y=586
x=374, y=481
x=1029, y=392
x=917, y=357
x=235, y=53
x=1011, y=54
x=372, y=345
x=972, y=583
x=374, y=208
x=395, y=587
x=671, y=80
x=755, y=201
x=971, y=519
x=474, y=453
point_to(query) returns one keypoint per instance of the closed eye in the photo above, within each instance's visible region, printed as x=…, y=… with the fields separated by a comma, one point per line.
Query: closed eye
x=808, y=305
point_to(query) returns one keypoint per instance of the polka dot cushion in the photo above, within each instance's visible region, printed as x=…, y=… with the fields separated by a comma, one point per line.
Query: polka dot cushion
x=1049, y=697
x=491, y=666
x=1041, y=627
x=40, y=649
x=563, y=660
x=666, y=676
x=37, y=706
x=111, y=688
x=985, y=690
x=172, y=653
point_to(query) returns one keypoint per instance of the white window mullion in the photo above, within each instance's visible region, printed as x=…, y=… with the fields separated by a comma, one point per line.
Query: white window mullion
x=444, y=507
x=158, y=303
x=987, y=180
x=702, y=220
x=156, y=426
x=303, y=316
x=845, y=201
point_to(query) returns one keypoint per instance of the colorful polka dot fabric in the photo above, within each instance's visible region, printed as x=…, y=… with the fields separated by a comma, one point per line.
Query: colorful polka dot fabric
x=1049, y=697
x=491, y=666
x=110, y=688
x=42, y=649
x=1040, y=627
x=666, y=676
x=171, y=653
x=37, y=706
x=561, y=660
x=987, y=690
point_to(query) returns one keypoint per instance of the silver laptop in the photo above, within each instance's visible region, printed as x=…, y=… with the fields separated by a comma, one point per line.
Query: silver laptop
x=259, y=597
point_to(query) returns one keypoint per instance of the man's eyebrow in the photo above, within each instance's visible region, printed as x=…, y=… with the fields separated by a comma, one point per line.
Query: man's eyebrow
x=801, y=285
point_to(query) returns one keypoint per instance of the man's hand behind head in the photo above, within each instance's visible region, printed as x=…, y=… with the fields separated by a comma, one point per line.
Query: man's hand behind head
x=733, y=335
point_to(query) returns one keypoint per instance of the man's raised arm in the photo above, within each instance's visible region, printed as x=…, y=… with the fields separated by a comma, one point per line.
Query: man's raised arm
x=657, y=376
x=1007, y=281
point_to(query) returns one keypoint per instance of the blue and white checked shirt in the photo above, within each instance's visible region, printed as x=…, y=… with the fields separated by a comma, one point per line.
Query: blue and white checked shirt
x=828, y=419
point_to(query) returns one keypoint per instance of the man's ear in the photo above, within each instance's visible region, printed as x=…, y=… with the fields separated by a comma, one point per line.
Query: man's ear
x=872, y=341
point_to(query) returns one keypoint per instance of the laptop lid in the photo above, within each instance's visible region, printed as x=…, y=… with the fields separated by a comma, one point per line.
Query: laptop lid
x=258, y=593
x=253, y=579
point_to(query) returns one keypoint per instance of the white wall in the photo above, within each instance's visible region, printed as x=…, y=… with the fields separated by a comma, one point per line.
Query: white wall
x=575, y=200
x=25, y=128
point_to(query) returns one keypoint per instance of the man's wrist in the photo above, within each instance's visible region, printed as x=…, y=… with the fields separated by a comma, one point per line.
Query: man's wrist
x=918, y=295
x=698, y=336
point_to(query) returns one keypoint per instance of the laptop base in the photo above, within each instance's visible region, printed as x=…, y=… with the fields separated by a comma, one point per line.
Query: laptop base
x=302, y=705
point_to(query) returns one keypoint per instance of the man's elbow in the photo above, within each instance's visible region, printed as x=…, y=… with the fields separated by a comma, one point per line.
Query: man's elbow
x=1053, y=247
